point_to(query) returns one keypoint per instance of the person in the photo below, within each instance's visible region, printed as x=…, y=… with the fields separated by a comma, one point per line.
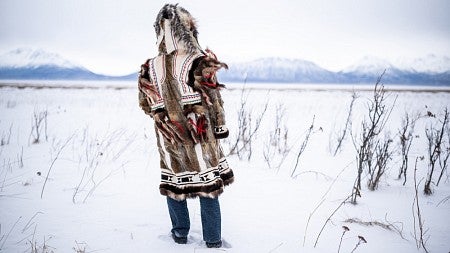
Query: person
x=179, y=90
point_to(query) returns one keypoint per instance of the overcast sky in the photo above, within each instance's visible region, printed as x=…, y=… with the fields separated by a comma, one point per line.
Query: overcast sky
x=115, y=37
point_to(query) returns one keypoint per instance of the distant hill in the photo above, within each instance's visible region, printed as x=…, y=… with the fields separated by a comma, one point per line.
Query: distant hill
x=277, y=70
x=367, y=70
x=30, y=64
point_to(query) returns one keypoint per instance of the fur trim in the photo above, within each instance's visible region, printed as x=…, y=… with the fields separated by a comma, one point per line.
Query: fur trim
x=211, y=190
x=227, y=177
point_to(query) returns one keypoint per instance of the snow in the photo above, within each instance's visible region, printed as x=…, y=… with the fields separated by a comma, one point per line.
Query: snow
x=108, y=152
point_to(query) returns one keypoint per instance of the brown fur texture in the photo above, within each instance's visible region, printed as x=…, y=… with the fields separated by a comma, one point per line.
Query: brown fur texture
x=191, y=159
x=206, y=84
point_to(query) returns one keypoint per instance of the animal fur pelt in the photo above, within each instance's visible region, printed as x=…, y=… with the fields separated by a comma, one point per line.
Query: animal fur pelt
x=191, y=158
x=206, y=84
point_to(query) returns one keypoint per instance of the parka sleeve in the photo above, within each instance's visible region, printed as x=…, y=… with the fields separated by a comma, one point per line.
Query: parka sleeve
x=205, y=82
x=143, y=99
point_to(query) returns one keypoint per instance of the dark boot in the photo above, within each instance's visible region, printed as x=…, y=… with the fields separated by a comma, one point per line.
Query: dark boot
x=214, y=244
x=179, y=240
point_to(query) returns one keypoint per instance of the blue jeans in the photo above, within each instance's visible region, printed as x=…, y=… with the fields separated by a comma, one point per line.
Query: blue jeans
x=210, y=213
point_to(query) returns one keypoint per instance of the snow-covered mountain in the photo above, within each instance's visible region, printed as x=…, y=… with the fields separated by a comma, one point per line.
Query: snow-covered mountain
x=28, y=58
x=366, y=70
x=369, y=68
x=277, y=70
x=428, y=64
x=25, y=63
x=430, y=70
x=369, y=65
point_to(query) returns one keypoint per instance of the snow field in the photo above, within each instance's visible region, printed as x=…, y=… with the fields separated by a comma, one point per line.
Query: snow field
x=102, y=190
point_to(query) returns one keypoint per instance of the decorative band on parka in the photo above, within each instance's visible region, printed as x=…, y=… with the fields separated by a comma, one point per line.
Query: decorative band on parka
x=182, y=63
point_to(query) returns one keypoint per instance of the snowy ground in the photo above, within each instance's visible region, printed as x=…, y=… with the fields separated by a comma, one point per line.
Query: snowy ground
x=91, y=182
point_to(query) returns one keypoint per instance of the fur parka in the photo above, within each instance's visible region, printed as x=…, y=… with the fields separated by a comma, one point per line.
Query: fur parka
x=184, y=112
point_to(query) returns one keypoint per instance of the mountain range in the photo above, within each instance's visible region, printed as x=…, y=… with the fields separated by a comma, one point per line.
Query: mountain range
x=25, y=63
x=37, y=64
x=431, y=70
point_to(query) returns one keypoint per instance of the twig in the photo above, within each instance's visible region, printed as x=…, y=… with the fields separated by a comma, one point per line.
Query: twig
x=395, y=228
x=329, y=218
x=348, y=123
x=443, y=200
x=96, y=185
x=303, y=146
x=278, y=246
x=78, y=186
x=361, y=240
x=53, y=162
x=342, y=236
x=389, y=226
x=314, y=172
x=435, y=145
x=322, y=200
x=243, y=141
x=369, y=223
x=309, y=218
x=28, y=223
x=7, y=235
x=419, y=241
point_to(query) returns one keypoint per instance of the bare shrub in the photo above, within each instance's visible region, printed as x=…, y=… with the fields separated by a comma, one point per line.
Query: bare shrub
x=99, y=150
x=80, y=247
x=276, y=148
x=241, y=144
x=382, y=154
x=406, y=136
x=39, y=126
x=371, y=127
x=44, y=248
x=437, y=150
x=7, y=167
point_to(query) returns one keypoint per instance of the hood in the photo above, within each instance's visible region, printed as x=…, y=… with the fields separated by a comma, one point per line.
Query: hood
x=175, y=30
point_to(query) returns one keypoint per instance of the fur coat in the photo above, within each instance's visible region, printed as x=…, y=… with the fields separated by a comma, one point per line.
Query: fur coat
x=191, y=159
